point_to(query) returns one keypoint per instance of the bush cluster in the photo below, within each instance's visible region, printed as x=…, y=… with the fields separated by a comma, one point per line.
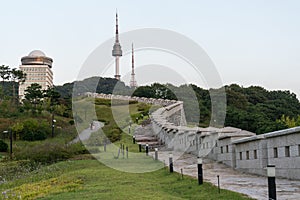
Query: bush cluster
x=50, y=152
x=3, y=146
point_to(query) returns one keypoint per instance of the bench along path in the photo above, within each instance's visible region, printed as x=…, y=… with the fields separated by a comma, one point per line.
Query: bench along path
x=251, y=185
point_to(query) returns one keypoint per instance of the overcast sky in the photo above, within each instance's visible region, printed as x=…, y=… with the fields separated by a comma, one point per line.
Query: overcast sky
x=253, y=42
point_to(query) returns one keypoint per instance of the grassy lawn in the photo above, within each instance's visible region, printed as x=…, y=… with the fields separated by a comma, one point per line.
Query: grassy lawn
x=89, y=179
x=135, y=177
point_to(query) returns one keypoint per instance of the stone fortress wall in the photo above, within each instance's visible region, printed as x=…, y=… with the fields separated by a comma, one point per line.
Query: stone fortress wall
x=240, y=149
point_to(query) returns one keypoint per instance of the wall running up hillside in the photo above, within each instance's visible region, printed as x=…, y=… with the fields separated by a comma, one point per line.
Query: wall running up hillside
x=239, y=149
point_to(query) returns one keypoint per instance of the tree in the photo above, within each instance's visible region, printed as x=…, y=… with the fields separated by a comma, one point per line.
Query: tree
x=144, y=91
x=52, y=95
x=17, y=128
x=17, y=76
x=4, y=74
x=34, y=94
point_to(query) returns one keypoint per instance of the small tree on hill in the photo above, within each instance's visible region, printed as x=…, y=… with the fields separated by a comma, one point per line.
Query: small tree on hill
x=4, y=74
x=19, y=77
x=34, y=94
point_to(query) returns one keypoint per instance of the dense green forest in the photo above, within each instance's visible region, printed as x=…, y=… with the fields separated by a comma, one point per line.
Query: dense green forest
x=250, y=108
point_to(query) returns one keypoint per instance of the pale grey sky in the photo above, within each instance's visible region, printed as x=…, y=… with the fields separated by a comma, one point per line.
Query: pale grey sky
x=251, y=42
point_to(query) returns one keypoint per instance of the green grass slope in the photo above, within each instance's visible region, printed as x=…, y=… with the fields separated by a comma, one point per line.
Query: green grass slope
x=89, y=179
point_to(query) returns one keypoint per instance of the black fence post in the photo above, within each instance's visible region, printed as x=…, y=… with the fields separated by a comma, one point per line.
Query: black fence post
x=200, y=172
x=171, y=163
x=271, y=182
x=219, y=184
x=156, y=153
x=147, y=149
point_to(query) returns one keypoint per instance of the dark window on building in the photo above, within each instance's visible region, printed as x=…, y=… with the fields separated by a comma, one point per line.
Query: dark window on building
x=247, y=155
x=221, y=149
x=227, y=149
x=299, y=150
x=287, y=151
x=275, y=152
x=255, y=154
x=241, y=155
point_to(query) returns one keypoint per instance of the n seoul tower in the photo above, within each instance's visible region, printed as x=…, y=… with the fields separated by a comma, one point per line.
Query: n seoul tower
x=117, y=51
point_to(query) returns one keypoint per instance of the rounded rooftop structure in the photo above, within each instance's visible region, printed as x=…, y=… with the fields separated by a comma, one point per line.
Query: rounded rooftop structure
x=37, y=53
x=37, y=57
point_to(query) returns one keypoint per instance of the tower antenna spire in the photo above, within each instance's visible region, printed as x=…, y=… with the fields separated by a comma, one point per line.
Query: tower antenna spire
x=133, y=83
x=117, y=27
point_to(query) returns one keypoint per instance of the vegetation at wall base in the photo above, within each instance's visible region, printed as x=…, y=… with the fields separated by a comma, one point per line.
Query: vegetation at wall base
x=90, y=179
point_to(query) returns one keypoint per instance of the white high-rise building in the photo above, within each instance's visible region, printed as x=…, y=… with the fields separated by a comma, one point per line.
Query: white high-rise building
x=37, y=67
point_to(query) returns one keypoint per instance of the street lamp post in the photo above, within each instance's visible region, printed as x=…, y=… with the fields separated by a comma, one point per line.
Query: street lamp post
x=52, y=124
x=10, y=141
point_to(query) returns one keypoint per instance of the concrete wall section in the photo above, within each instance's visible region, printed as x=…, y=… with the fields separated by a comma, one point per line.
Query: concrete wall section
x=284, y=153
x=251, y=156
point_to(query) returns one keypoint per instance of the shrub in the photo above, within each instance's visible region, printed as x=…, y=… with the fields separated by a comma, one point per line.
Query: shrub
x=35, y=130
x=46, y=152
x=33, y=136
x=50, y=152
x=3, y=146
x=114, y=135
x=77, y=148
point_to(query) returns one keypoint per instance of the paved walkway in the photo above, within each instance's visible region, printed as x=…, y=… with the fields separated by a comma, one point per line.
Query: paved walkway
x=251, y=185
x=86, y=134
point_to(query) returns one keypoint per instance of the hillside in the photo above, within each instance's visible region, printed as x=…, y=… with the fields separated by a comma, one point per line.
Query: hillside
x=251, y=108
